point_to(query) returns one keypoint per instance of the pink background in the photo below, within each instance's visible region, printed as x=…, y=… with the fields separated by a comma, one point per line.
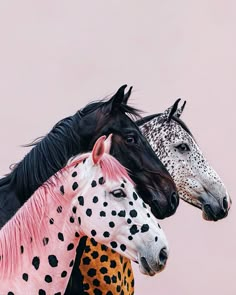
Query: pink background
x=56, y=56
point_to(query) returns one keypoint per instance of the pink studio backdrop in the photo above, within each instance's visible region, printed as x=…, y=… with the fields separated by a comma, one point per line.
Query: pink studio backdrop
x=56, y=56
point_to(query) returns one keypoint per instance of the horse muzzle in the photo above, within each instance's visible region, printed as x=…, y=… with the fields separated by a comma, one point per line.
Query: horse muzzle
x=150, y=266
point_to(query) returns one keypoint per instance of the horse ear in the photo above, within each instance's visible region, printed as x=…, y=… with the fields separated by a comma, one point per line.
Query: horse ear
x=98, y=149
x=117, y=99
x=180, y=110
x=127, y=95
x=108, y=143
x=170, y=112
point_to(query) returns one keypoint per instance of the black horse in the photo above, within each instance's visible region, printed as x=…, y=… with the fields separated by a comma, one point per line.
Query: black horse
x=77, y=134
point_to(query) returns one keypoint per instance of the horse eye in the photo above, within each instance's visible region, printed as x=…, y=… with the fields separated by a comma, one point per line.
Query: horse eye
x=118, y=193
x=130, y=139
x=183, y=147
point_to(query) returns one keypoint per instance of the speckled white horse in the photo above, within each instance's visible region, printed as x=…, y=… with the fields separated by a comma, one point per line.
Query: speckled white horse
x=196, y=181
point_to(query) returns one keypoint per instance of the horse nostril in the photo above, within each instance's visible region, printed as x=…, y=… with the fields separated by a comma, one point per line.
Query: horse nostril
x=163, y=256
x=225, y=203
x=174, y=200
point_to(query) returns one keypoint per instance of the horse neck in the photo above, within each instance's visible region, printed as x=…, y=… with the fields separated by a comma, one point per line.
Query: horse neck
x=44, y=238
x=47, y=157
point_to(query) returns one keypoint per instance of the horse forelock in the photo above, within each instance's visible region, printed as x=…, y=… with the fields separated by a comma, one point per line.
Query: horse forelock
x=183, y=125
x=104, y=107
x=111, y=168
x=162, y=119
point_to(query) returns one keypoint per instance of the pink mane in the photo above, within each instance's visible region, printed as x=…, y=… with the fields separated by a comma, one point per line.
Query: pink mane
x=30, y=223
x=111, y=168
x=27, y=227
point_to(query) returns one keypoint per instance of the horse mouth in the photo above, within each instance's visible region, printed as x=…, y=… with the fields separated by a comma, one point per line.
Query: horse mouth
x=159, y=212
x=156, y=210
x=209, y=215
x=207, y=212
x=203, y=201
x=147, y=269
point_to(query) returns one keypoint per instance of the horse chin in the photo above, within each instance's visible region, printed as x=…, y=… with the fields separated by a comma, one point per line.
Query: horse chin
x=157, y=205
x=156, y=210
x=212, y=208
x=191, y=198
x=214, y=203
x=160, y=208
x=145, y=268
x=197, y=200
x=208, y=215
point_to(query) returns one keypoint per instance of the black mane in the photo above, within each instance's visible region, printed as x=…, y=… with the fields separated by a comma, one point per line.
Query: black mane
x=176, y=119
x=123, y=108
x=51, y=152
x=48, y=155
